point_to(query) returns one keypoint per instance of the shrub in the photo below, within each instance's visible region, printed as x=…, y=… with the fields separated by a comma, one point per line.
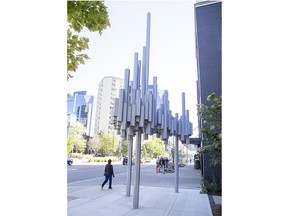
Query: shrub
x=77, y=155
x=99, y=159
x=91, y=158
x=211, y=188
x=169, y=170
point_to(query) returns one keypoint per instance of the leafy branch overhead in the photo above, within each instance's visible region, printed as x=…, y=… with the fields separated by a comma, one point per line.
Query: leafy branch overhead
x=212, y=130
x=90, y=14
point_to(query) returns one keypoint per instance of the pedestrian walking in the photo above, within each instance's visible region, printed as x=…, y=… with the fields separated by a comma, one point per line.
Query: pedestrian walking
x=108, y=173
x=166, y=162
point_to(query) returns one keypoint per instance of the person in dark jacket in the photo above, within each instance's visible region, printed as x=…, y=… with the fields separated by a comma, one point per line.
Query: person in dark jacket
x=108, y=173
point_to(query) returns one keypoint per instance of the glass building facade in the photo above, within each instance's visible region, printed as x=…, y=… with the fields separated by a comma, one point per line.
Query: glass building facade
x=83, y=107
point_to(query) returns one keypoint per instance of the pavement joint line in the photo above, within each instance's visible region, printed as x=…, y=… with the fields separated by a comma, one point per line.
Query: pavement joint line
x=88, y=200
x=131, y=201
x=128, y=212
x=180, y=187
x=87, y=180
x=110, y=192
x=91, y=199
x=173, y=204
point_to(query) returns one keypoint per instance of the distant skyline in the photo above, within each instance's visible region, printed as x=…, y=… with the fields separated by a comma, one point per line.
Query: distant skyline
x=172, y=49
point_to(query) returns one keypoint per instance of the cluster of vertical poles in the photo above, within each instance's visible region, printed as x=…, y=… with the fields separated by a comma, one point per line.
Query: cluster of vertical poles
x=138, y=111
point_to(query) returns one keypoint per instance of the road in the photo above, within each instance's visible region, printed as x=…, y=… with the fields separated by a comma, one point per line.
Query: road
x=93, y=175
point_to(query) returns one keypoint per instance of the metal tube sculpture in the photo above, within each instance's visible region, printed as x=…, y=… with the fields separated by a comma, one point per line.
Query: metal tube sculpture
x=137, y=112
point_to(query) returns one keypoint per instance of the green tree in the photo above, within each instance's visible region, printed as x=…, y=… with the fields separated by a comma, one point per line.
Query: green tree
x=76, y=137
x=69, y=145
x=80, y=14
x=108, y=144
x=124, y=147
x=154, y=148
x=144, y=152
x=93, y=144
x=212, y=128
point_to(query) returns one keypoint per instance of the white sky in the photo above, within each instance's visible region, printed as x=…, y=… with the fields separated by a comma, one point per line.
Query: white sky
x=172, y=49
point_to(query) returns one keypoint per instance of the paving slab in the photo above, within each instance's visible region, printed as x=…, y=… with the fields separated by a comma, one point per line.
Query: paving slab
x=153, y=201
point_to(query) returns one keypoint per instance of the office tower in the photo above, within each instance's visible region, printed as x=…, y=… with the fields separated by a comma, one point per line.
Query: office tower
x=83, y=107
x=208, y=36
x=108, y=90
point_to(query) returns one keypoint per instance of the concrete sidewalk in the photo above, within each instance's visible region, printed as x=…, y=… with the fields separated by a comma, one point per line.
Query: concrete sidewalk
x=158, y=201
x=153, y=201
